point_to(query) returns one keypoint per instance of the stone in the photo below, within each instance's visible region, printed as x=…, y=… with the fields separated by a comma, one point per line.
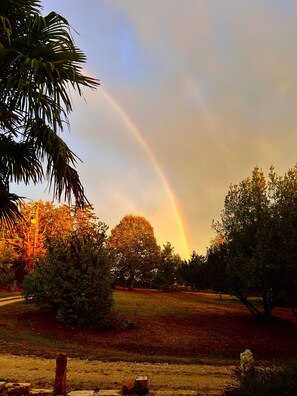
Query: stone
x=109, y=392
x=102, y=392
x=247, y=364
x=16, y=389
x=41, y=392
x=81, y=393
x=180, y=392
x=60, y=385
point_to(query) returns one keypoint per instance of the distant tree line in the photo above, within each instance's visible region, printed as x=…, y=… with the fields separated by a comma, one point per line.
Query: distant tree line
x=253, y=255
x=64, y=259
x=138, y=259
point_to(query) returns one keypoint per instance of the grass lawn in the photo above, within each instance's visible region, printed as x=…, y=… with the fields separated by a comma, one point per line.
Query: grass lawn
x=169, y=327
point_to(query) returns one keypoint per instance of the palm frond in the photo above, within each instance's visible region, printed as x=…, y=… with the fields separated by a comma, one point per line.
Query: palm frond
x=9, y=211
x=39, y=64
x=60, y=171
x=18, y=161
x=41, y=68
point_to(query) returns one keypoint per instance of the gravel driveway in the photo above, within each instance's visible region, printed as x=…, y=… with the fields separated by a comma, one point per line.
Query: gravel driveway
x=10, y=300
x=85, y=374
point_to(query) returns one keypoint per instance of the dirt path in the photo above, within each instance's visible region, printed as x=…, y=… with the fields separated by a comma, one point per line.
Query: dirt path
x=10, y=300
x=85, y=374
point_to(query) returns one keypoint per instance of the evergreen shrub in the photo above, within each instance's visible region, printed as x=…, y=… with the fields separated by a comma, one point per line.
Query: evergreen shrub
x=74, y=278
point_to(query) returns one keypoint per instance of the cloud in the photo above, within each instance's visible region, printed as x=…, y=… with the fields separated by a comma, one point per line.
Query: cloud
x=226, y=94
x=210, y=85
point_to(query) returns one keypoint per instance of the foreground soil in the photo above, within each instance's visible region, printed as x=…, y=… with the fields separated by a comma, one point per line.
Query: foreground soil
x=86, y=374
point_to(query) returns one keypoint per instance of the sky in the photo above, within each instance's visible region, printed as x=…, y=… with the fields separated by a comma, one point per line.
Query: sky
x=194, y=94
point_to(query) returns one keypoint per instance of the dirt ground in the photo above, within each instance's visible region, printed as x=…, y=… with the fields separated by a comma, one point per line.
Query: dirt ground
x=86, y=374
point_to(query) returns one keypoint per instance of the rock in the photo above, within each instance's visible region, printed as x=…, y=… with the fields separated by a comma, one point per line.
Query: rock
x=41, y=392
x=81, y=393
x=16, y=389
x=181, y=392
x=102, y=392
x=247, y=364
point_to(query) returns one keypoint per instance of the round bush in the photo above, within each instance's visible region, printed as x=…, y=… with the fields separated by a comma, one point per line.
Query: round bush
x=74, y=278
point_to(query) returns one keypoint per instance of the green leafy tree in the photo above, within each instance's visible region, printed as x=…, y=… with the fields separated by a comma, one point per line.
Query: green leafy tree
x=39, y=63
x=283, y=233
x=137, y=251
x=167, y=270
x=216, y=260
x=74, y=278
x=259, y=227
x=193, y=272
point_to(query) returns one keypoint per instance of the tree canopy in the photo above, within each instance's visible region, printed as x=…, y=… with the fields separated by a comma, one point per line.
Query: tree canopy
x=167, y=268
x=41, y=225
x=259, y=228
x=39, y=64
x=136, y=248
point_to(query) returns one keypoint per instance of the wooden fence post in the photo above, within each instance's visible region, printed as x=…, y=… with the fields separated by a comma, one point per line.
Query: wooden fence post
x=60, y=386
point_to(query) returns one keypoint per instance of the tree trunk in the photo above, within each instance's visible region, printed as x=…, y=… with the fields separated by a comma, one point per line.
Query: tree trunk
x=253, y=310
x=267, y=304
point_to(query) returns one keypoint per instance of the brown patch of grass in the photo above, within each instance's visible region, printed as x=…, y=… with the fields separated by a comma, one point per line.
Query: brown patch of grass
x=173, y=327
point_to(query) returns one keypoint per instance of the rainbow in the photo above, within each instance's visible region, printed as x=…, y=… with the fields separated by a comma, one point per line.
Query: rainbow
x=140, y=139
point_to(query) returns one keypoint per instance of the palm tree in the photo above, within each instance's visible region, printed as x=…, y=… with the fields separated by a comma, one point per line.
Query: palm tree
x=39, y=64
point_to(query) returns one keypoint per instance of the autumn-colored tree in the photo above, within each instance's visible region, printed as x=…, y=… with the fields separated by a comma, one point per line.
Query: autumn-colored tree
x=83, y=217
x=41, y=222
x=40, y=226
x=137, y=251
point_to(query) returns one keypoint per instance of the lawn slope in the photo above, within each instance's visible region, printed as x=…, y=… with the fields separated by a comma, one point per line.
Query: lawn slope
x=164, y=327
